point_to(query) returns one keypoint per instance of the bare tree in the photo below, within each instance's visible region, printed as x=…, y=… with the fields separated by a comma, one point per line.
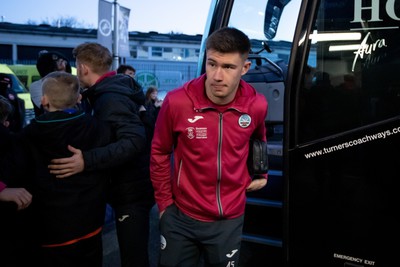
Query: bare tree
x=67, y=21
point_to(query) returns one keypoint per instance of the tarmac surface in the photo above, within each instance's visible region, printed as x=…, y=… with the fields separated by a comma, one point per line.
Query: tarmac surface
x=110, y=246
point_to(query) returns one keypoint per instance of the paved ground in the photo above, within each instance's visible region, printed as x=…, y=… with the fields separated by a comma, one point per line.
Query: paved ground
x=110, y=247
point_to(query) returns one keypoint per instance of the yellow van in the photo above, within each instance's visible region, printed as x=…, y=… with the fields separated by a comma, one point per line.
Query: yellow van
x=18, y=86
x=29, y=73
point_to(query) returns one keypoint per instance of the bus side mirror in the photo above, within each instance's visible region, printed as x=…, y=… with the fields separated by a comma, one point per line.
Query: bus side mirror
x=273, y=13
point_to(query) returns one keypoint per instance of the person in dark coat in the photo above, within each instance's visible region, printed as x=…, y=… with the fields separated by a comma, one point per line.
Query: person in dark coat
x=17, y=244
x=17, y=117
x=152, y=106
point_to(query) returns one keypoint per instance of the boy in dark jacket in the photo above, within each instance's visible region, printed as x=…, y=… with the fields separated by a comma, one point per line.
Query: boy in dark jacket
x=69, y=213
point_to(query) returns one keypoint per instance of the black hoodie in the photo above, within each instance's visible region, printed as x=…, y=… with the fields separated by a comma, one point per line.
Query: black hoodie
x=116, y=99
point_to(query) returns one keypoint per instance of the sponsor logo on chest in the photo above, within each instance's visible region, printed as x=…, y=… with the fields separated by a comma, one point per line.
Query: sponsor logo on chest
x=194, y=132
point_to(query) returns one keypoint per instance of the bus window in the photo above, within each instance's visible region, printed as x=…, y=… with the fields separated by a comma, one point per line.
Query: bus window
x=354, y=79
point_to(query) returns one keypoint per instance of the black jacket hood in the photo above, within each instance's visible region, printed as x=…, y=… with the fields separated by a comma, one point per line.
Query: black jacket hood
x=121, y=84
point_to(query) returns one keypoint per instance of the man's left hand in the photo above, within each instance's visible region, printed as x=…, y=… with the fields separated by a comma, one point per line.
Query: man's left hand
x=256, y=184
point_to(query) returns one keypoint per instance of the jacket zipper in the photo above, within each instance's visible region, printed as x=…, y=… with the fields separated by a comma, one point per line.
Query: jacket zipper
x=221, y=212
x=179, y=173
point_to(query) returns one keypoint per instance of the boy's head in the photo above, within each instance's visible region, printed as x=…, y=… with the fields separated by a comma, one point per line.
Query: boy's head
x=5, y=110
x=60, y=91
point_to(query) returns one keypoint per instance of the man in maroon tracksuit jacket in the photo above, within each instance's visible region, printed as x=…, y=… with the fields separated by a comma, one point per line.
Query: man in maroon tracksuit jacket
x=206, y=126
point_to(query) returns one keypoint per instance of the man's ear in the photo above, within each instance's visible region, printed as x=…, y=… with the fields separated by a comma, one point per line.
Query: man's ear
x=85, y=69
x=246, y=67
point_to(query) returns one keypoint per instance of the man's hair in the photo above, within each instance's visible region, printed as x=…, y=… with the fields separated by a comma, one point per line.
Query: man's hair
x=61, y=89
x=5, y=109
x=229, y=40
x=122, y=68
x=96, y=56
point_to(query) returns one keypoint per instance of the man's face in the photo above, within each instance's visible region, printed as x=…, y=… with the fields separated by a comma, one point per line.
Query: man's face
x=61, y=64
x=130, y=73
x=81, y=73
x=224, y=71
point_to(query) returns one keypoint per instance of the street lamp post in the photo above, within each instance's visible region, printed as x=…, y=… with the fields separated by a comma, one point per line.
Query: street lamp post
x=115, y=37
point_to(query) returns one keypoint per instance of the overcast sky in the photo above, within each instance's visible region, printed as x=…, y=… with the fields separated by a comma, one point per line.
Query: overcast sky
x=163, y=16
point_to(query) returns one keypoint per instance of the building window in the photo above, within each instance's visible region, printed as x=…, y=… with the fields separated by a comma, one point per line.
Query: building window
x=133, y=51
x=142, y=51
x=156, y=52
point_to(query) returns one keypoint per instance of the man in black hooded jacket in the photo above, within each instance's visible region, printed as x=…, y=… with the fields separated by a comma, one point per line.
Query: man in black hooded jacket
x=116, y=99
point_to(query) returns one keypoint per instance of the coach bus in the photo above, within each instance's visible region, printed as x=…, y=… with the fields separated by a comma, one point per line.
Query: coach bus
x=333, y=90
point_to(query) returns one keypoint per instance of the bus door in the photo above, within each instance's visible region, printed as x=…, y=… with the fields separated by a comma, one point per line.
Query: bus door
x=331, y=199
x=342, y=135
x=263, y=232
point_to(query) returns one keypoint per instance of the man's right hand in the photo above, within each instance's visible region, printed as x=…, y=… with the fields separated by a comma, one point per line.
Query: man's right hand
x=66, y=167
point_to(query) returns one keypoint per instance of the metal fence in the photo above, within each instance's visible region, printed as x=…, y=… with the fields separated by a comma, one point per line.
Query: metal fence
x=165, y=75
